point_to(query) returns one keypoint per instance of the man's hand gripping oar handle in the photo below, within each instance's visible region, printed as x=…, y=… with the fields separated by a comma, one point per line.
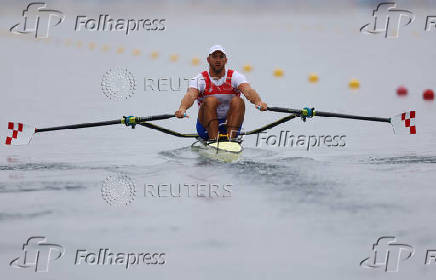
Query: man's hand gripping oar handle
x=133, y=121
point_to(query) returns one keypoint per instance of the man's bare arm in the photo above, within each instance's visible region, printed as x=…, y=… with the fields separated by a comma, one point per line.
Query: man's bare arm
x=187, y=101
x=252, y=96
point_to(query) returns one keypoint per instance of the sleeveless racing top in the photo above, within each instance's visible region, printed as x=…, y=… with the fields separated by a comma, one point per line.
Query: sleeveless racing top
x=224, y=93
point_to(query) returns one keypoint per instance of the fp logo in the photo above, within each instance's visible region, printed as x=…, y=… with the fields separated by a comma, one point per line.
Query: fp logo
x=387, y=20
x=38, y=20
x=38, y=254
x=387, y=254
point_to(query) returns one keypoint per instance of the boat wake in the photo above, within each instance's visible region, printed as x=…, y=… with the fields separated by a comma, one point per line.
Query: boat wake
x=412, y=159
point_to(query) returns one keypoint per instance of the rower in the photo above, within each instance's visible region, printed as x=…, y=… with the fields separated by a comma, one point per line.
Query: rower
x=217, y=92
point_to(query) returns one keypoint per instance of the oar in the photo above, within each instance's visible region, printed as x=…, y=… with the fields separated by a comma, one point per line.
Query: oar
x=21, y=134
x=403, y=123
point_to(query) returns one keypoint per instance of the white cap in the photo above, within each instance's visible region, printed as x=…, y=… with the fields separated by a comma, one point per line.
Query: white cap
x=217, y=48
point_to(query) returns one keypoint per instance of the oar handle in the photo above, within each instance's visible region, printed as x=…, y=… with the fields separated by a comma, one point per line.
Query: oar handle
x=154, y=118
x=328, y=114
x=284, y=110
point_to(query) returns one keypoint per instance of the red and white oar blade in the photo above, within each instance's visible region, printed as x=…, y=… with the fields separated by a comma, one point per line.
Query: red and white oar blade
x=17, y=134
x=404, y=123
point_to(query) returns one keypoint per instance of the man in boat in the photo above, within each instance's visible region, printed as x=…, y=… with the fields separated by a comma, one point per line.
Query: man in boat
x=218, y=94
